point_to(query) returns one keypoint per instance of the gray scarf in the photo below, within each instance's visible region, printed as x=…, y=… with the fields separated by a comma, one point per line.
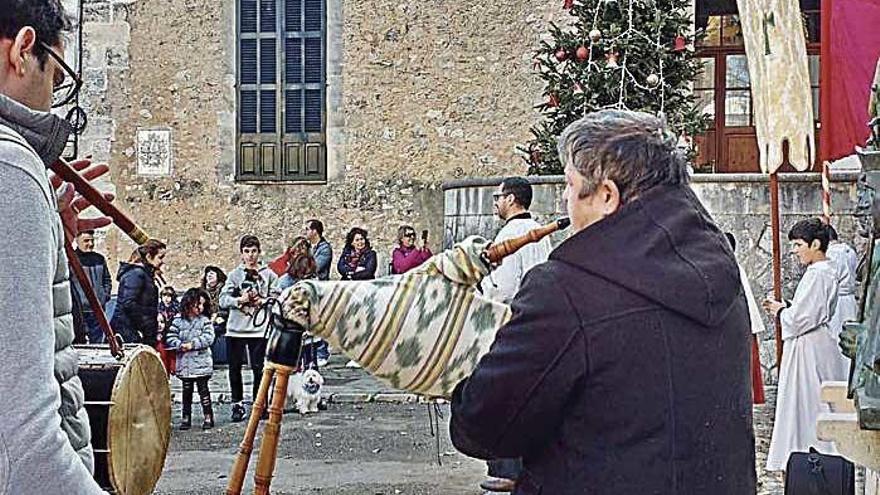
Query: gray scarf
x=46, y=132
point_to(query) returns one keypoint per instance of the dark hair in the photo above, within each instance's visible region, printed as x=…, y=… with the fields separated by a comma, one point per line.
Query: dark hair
x=317, y=226
x=190, y=301
x=810, y=230
x=206, y=310
x=221, y=276
x=87, y=231
x=47, y=17
x=349, y=238
x=520, y=188
x=731, y=239
x=150, y=248
x=302, y=266
x=632, y=149
x=168, y=290
x=832, y=233
x=249, y=241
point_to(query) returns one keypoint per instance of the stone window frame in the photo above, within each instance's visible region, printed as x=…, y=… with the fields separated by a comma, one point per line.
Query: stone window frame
x=284, y=149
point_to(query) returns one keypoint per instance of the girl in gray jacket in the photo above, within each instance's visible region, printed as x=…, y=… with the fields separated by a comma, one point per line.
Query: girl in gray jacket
x=191, y=335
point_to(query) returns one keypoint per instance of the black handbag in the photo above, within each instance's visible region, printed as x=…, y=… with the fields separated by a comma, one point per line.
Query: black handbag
x=813, y=473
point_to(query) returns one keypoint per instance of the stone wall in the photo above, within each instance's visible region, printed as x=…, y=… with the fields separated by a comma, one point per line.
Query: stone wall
x=418, y=93
x=739, y=203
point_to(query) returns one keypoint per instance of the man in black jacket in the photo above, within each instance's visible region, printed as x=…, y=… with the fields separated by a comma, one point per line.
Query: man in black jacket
x=625, y=367
x=95, y=266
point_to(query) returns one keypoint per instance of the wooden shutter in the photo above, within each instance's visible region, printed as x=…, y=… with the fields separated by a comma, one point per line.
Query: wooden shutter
x=281, y=90
x=304, y=139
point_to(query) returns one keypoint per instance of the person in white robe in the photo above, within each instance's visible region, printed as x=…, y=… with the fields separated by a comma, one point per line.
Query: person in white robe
x=846, y=260
x=809, y=353
x=756, y=322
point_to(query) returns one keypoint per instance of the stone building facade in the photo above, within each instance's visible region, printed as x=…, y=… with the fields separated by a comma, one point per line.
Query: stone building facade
x=418, y=93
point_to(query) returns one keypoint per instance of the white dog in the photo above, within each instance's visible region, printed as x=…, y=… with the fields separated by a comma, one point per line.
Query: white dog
x=305, y=389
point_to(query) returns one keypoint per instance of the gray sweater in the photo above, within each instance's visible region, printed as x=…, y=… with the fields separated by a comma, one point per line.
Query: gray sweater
x=44, y=422
x=241, y=323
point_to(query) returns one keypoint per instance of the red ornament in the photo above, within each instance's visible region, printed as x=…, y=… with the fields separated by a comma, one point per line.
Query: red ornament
x=582, y=53
x=554, y=100
x=561, y=54
x=680, y=44
x=568, y=4
x=535, y=156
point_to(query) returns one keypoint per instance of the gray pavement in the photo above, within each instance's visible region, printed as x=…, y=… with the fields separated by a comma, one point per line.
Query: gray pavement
x=370, y=441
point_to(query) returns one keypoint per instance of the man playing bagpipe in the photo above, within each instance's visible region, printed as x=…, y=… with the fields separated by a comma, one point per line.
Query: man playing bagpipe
x=621, y=366
x=625, y=366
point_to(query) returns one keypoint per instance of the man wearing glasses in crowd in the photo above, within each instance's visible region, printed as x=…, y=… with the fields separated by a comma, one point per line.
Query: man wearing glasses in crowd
x=511, y=202
x=44, y=435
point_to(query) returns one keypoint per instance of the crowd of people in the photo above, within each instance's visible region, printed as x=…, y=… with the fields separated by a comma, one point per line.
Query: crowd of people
x=185, y=330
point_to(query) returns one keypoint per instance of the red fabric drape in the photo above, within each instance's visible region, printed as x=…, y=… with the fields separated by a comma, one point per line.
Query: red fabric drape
x=850, y=48
x=757, y=379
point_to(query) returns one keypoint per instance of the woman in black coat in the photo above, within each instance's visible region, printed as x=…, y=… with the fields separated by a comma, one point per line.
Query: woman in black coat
x=137, y=303
x=358, y=260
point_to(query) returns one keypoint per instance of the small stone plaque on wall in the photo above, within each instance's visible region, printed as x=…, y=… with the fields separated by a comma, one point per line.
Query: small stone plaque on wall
x=154, y=152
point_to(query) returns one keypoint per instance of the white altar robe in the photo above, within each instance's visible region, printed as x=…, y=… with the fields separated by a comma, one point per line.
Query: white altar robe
x=809, y=357
x=847, y=308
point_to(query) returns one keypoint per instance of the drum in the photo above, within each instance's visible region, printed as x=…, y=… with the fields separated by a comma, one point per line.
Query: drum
x=129, y=407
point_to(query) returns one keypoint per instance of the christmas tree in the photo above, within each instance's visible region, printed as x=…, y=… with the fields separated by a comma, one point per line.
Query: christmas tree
x=625, y=54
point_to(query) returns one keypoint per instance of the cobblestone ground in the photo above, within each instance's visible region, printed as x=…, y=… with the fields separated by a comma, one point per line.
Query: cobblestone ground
x=768, y=483
x=357, y=448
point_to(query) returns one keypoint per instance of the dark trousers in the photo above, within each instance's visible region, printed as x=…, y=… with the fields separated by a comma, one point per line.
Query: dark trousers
x=309, y=356
x=204, y=395
x=93, y=330
x=256, y=352
x=505, y=468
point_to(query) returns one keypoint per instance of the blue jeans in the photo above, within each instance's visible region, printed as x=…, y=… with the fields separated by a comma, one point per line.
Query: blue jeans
x=93, y=330
x=323, y=350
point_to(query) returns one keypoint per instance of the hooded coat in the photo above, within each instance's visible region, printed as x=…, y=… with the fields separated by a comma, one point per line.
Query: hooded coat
x=625, y=366
x=137, y=304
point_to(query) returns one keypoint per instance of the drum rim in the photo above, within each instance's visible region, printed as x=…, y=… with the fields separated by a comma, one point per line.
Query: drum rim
x=132, y=351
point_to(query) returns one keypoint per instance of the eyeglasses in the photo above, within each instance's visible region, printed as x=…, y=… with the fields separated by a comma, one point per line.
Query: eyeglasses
x=66, y=84
x=410, y=234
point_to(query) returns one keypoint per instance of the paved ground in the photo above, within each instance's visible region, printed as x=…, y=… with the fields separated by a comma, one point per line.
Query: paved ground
x=354, y=448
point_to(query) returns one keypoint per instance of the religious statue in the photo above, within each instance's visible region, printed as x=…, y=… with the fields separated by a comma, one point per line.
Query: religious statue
x=861, y=340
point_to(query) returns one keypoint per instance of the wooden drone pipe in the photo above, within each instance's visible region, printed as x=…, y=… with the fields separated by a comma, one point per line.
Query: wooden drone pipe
x=88, y=191
x=496, y=252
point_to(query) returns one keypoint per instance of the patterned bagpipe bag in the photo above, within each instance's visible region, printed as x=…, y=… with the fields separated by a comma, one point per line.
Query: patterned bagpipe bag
x=422, y=332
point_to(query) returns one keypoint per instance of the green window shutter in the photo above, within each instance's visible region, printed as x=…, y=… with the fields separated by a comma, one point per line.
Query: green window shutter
x=281, y=90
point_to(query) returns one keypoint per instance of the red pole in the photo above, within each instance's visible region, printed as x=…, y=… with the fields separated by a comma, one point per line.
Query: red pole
x=777, y=258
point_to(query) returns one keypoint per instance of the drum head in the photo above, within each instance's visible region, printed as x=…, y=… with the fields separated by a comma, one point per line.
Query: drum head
x=140, y=422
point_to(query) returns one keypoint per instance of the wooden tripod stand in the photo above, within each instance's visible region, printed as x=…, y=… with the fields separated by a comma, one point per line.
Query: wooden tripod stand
x=271, y=434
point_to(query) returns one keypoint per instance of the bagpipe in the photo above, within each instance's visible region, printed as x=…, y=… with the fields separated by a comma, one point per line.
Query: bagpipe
x=127, y=396
x=422, y=331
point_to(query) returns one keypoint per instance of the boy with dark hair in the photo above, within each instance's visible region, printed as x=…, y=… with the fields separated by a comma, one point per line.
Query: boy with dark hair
x=246, y=288
x=810, y=354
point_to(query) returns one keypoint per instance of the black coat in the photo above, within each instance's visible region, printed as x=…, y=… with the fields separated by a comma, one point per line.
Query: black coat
x=625, y=367
x=137, y=305
x=367, y=261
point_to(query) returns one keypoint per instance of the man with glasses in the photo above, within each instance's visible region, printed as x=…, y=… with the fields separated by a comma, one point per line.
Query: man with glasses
x=44, y=435
x=511, y=202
